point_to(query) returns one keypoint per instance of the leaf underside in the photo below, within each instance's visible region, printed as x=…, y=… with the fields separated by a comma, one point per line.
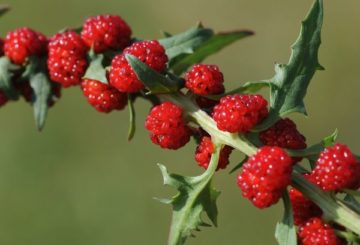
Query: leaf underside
x=285, y=232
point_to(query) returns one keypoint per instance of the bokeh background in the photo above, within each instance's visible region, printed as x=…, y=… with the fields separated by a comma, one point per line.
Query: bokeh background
x=80, y=181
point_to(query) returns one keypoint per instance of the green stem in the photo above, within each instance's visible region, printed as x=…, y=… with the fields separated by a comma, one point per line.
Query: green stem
x=332, y=209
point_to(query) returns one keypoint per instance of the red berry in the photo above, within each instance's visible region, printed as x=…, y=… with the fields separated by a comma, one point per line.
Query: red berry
x=303, y=208
x=205, y=79
x=240, y=112
x=315, y=232
x=206, y=103
x=67, y=58
x=122, y=75
x=167, y=127
x=265, y=176
x=1, y=47
x=3, y=98
x=104, y=32
x=102, y=96
x=23, y=43
x=284, y=134
x=336, y=169
x=206, y=148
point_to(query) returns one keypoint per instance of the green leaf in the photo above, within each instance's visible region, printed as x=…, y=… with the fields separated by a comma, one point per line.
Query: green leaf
x=96, y=70
x=247, y=88
x=186, y=42
x=132, y=124
x=285, y=232
x=155, y=82
x=4, y=9
x=289, y=85
x=330, y=140
x=195, y=196
x=41, y=86
x=6, y=85
x=352, y=202
x=211, y=46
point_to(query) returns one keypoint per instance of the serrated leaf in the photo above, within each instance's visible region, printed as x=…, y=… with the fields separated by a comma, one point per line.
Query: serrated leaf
x=132, y=115
x=4, y=9
x=6, y=85
x=195, y=196
x=96, y=70
x=40, y=83
x=186, y=42
x=211, y=46
x=155, y=82
x=289, y=85
x=285, y=232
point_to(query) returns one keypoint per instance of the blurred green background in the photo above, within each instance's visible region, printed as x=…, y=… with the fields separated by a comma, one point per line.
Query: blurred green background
x=81, y=182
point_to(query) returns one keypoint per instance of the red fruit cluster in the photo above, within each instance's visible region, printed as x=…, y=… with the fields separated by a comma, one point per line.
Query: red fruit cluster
x=167, y=127
x=22, y=43
x=67, y=58
x=265, y=176
x=303, y=208
x=102, y=96
x=105, y=32
x=206, y=148
x=205, y=79
x=336, y=168
x=316, y=232
x=123, y=77
x=284, y=134
x=240, y=112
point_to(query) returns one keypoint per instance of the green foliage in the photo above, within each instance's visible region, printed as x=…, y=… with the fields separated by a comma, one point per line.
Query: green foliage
x=6, y=85
x=196, y=195
x=96, y=70
x=285, y=232
x=40, y=83
x=155, y=82
x=289, y=85
x=132, y=115
x=4, y=9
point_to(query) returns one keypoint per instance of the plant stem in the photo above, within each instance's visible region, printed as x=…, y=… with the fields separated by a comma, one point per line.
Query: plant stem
x=332, y=208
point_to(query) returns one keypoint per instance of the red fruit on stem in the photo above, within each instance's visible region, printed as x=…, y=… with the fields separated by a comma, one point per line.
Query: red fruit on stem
x=336, y=168
x=240, y=112
x=316, y=232
x=167, y=127
x=205, y=79
x=22, y=43
x=204, y=151
x=284, y=134
x=67, y=58
x=103, y=97
x=303, y=208
x=122, y=75
x=265, y=176
x=105, y=32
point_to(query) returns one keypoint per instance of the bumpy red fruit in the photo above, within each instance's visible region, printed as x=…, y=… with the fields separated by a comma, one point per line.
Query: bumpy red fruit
x=265, y=176
x=105, y=32
x=206, y=148
x=316, y=232
x=3, y=98
x=336, y=169
x=122, y=75
x=102, y=96
x=284, y=134
x=67, y=58
x=303, y=208
x=205, y=79
x=23, y=43
x=239, y=113
x=167, y=127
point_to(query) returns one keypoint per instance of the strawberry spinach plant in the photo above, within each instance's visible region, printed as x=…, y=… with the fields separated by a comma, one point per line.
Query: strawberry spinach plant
x=318, y=183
